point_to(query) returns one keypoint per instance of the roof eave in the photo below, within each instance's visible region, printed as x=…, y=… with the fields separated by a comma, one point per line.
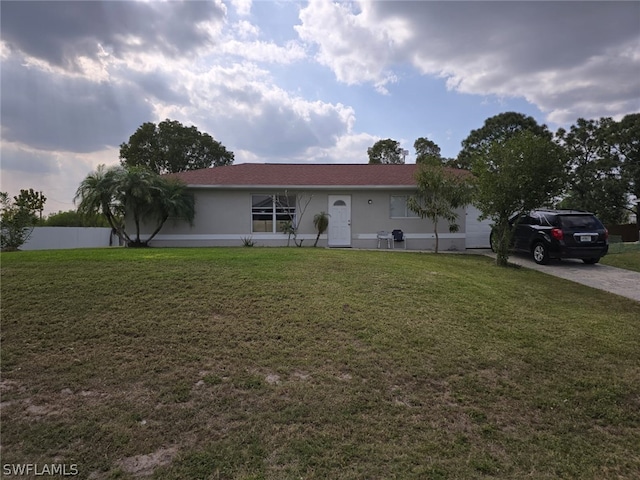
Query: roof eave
x=302, y=187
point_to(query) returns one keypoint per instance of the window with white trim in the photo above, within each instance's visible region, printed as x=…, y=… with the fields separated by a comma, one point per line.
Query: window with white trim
x=399, y=209
x=269, y=213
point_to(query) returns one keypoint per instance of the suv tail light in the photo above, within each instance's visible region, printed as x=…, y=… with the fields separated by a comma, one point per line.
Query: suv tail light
x=557, y=234
x=606, y=234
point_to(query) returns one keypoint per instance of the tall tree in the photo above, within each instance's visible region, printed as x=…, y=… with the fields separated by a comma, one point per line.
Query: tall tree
x=138, y=193
x=170, y=147
x=595, y=180
x=441, y=191
x=427, y=151
x=627, y=145
x=515, y=176
x=496, y=129
x=386, y=151
x=31, y=201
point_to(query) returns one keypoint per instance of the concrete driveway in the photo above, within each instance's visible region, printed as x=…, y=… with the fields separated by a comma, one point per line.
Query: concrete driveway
x=625, y=283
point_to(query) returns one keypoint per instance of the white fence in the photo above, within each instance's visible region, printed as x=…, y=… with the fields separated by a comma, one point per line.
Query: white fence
x=56, y=238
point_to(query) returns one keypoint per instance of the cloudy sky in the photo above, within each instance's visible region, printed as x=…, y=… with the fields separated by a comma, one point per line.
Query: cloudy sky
x=287, y=81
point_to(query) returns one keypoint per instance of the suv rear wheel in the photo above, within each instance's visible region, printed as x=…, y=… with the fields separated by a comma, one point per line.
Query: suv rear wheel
x=540, y=253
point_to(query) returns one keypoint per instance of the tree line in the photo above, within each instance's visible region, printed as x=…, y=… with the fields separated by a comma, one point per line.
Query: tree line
x=601, y=160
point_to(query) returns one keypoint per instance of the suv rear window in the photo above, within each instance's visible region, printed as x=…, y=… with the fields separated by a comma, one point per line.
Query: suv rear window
x=581, y=221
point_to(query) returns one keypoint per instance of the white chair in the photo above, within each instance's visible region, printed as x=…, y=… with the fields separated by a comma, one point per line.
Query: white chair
x=384, y=235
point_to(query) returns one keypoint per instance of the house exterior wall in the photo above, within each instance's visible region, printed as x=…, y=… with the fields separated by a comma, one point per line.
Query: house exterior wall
x=224, y=218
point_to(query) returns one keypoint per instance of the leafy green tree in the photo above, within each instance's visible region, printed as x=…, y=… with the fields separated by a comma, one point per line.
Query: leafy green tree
x=73, y=218
x=441, y=191
x=170, y=147
x=385, y=151
x=595, y=180
x=31, y=201
x=138, y=193
x=496, y=129
x=515, y=176
x=16, y=223
x=427, y=152
x=627, y=146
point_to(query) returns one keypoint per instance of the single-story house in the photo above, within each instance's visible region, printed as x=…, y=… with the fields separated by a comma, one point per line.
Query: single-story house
x=254, y=201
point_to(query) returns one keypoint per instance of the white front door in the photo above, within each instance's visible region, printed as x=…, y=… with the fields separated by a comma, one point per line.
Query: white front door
x=339, y=234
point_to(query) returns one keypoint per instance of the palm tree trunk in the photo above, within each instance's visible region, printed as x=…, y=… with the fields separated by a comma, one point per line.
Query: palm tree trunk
x=155, y=232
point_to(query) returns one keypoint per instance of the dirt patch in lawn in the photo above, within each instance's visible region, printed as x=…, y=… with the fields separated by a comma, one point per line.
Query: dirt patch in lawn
x=144, y=465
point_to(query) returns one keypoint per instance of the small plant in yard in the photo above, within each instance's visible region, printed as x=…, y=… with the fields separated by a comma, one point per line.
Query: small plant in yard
x=321, y=222
x=288, y=229
x=248, y=241
x=301, y=201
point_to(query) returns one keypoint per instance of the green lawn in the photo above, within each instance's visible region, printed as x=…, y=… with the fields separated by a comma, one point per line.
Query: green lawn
x=269, y=363
x=623, y=255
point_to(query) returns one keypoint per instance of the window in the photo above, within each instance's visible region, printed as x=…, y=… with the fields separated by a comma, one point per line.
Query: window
x=399, y=208
x=269, y=213
x=586, y=222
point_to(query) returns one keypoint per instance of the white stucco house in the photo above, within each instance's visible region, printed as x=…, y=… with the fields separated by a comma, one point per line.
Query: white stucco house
x=254, y=200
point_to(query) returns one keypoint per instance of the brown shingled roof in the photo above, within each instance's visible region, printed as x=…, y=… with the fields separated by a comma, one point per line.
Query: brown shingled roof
x=281, y=174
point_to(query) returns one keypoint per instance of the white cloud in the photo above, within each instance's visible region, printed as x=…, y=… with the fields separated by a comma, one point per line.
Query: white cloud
x=261, y=51
x=240, y=105
x=358, y=46
x=534, y=50
x=348, y=148
x=242, y=7
x=245, y=29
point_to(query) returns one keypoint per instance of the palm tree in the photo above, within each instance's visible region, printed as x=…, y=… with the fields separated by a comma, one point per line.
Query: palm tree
x=139, y=194
x=321, y=222
x=97, y=195
x=137, y=191
x=170, y=200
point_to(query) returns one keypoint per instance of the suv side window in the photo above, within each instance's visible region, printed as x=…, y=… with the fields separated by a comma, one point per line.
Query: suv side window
x=550, y=220
x=525, y=220
x=534, y=219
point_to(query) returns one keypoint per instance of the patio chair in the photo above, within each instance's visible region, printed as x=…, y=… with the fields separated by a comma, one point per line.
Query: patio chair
x=398, y=236
x=384, y=235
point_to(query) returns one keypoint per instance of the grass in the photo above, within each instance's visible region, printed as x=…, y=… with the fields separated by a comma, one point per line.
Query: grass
x=313, y=363
x=623, y=255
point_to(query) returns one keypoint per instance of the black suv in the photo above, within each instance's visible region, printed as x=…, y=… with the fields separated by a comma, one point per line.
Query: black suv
x=547, y=234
